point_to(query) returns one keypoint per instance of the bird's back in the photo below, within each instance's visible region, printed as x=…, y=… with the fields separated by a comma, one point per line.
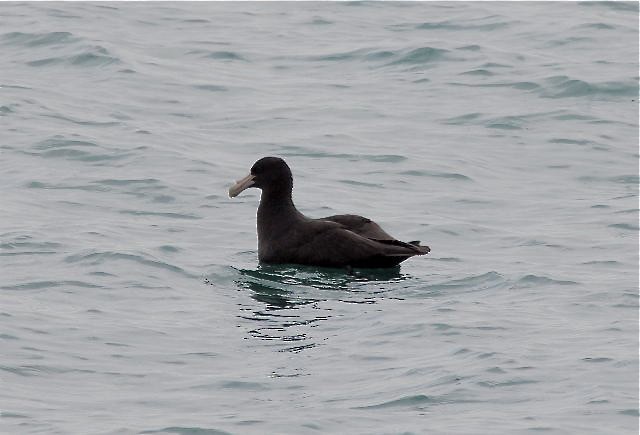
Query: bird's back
x=330, y=243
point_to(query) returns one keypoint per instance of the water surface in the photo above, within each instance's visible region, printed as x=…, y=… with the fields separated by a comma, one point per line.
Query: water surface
x=503, y=135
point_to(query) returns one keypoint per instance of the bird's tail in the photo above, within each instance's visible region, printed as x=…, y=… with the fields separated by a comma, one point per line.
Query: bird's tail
x=414, y=246
x=423, y=249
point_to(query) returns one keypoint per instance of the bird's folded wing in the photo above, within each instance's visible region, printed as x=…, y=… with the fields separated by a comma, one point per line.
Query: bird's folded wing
x=330, y=243
x=361, y=226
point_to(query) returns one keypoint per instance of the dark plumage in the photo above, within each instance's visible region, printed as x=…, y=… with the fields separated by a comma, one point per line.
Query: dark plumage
x=287, y=236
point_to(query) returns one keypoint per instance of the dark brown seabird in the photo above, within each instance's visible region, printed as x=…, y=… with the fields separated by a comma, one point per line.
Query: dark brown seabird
x=286, y=236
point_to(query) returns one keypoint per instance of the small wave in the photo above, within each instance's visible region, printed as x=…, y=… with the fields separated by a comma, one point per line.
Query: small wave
x=421, y=55
x=73, y=149
x=5, y=110
x=160, y=214
x=565, y=141
x=538, y=280
x=22, y=246
x=99, y=57
x=463, y=119
x=597, y=359
x=82, y=122
x=484, y=281
x=196, y=21
x=509, y=383
x=472, y=47
x=495, y=65
x=341, y=56
x=225, y=55
x=18, y=244
x=426, y=173
x=243, y=385
x=560, y=87
x=567, y=41
x=58, y=142
x=474, y=201
x=361, y=183
x=448, y=259
x=628, y=211
x=179, y=430
x=597, y=26
x=411, y=57
x=567, y=87
x=35, y=370
x=90, y=57
x=165, y=199
x=41, y=185
x=625, y=226
x=631, y=412
x=317, y=21
x=478, y=72
x=620, y=179
x=414, y=401
x=616, y=6
x=522, y=86
x=73, y=154
x=602, y=263
x=505, y=123
x=218, y=55
x=100, y=257
x=147, y=182
x=211, y=88
x=38, y=39
x=466, y=26
x=571, y=116
x=169, y=249
x=380, y=55
x=534, y=242
x=60, y=13
x=316, y=153
x=626, y=179
x=37, y=285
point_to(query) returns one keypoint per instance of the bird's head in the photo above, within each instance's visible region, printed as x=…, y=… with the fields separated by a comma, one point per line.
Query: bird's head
x=271, y=174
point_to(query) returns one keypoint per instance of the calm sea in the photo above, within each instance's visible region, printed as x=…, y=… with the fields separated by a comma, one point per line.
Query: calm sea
x=503, y=135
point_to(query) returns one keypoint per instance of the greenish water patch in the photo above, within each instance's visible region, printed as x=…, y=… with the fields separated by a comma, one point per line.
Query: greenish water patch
x=427, y=173
x=170, y=215
x=211, y=88
x=421, y=55
x=179, y=430
x=404, y=402
x=288, y=150
x=567, y=87
x=39, y=285
x=536, y=280
x=225, y=55
x=38, y=39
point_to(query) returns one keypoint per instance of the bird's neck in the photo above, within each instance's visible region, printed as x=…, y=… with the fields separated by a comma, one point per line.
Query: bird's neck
x=276, y=205
x=276, y=211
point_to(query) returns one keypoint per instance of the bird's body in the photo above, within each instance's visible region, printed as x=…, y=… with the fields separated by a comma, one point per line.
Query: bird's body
x=287, y=236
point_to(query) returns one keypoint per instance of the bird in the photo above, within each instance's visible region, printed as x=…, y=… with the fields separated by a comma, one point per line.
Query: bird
x=286, y=236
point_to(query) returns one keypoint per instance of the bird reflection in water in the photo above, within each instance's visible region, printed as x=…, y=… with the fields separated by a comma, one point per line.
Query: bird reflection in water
x=292, y=298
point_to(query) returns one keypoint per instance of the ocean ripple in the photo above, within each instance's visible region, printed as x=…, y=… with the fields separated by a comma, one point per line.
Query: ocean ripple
x=567, y=87
x=504, y=135
x=102, y=257
x=95, y=56
x=38, y=39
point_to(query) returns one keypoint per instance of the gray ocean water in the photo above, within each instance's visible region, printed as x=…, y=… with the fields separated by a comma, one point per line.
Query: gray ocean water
x=503, y=135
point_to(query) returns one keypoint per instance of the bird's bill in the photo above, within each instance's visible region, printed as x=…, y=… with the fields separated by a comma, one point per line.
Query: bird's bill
x=241, y=185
